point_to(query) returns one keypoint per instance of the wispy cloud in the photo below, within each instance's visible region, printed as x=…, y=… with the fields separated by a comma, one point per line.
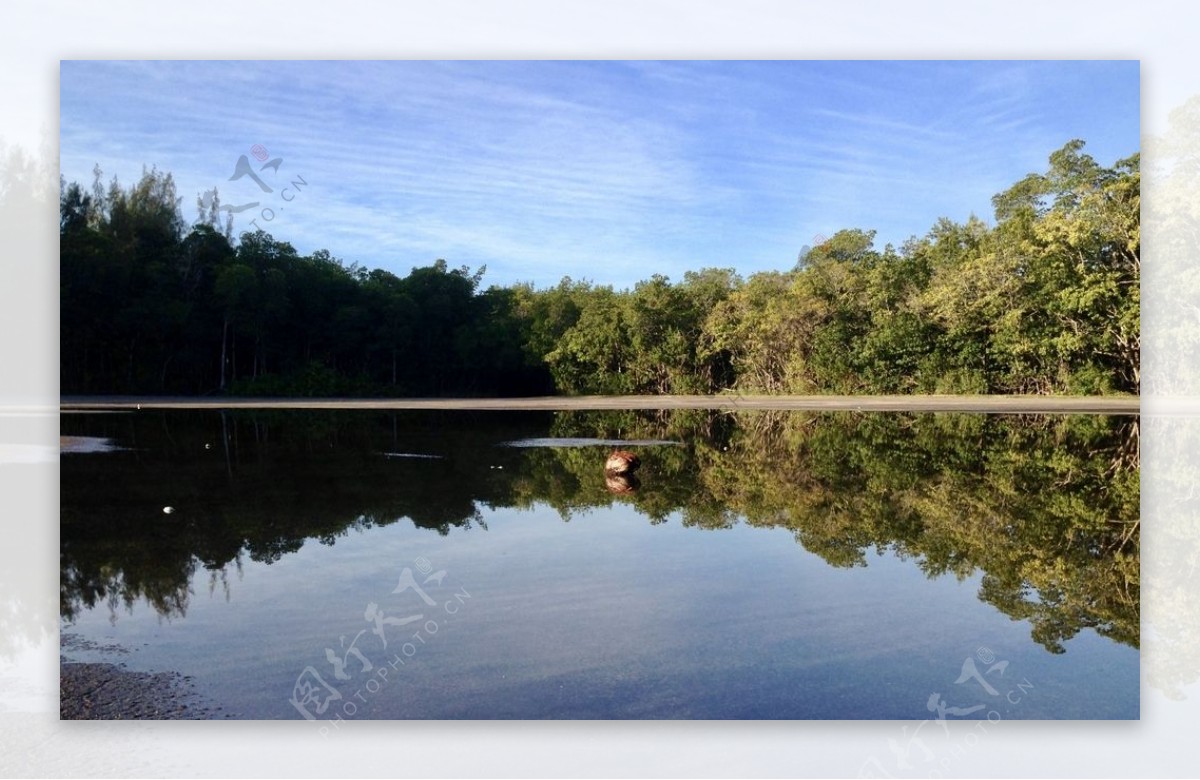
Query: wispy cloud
x=610, y=171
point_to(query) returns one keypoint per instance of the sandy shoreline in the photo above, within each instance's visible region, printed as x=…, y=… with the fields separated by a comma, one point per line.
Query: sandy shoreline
x=994, y=404
x=110, y=691
x=103, y=691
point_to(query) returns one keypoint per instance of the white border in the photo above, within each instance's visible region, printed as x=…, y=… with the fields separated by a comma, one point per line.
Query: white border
x=36, y=35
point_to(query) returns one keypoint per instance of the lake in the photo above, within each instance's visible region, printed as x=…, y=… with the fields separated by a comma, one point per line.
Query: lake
x=349, y=565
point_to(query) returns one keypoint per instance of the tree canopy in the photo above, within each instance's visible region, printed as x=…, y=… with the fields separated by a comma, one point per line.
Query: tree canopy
x=1045, y=300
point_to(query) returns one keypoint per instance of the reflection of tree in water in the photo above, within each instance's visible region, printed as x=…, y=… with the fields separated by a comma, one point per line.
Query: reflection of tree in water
x=162, y=586
x=258, y=486
x=1172, y=498
x=28, y=236
x=1044, y=508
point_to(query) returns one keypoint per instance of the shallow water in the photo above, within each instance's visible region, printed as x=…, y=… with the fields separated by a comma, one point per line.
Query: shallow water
x=579, y=441
x=760, y=565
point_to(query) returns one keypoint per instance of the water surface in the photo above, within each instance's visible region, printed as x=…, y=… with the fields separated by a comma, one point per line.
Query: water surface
x=452, y=564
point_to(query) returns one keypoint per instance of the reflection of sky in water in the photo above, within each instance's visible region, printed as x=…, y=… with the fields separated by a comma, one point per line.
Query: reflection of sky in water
x=611, y=616
x=77, y=445
x=568, y=441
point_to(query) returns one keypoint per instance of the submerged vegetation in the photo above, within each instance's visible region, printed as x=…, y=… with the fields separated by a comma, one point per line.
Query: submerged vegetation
x=1046, y=300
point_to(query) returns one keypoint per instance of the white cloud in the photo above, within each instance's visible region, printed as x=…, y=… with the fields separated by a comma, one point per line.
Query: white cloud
x=604, y=170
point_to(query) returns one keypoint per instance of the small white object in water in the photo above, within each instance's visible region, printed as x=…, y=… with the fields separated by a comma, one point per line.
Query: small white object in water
x=208, y=446
x=168, y=510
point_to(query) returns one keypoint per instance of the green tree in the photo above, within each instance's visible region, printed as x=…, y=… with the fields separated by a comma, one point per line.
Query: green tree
x=594, y=354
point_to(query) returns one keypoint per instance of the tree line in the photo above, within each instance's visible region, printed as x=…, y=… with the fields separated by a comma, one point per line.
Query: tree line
x=1045, y=300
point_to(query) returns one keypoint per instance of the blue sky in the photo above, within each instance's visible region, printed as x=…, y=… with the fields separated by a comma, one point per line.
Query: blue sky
x=608, y=171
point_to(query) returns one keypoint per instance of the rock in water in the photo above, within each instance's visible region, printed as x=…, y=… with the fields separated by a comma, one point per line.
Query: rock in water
x=621, y=484
x=622, y=462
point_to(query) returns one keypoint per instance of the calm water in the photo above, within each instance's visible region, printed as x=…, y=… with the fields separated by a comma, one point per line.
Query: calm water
x=480, y=565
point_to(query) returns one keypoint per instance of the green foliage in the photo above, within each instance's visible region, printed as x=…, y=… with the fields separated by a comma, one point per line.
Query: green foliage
x=148, y=308
x=1046, y=301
